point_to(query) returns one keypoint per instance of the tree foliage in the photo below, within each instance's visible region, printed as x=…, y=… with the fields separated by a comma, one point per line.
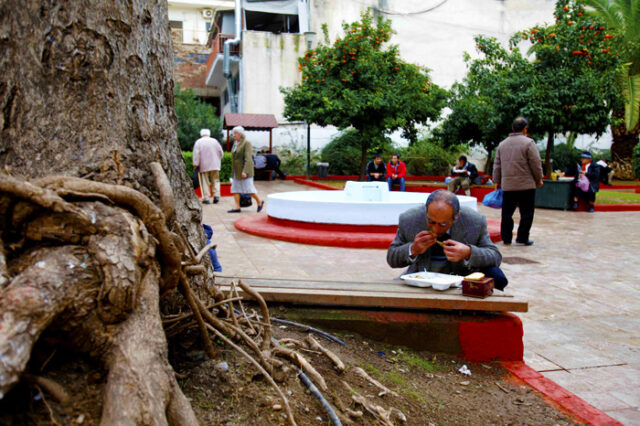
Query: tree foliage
x=622, y=20
x=360, y=81
x=565, y=83
x=194, y=115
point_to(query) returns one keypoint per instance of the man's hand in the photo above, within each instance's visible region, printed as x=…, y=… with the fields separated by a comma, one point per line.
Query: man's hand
x=394, y=176
x=244, y=175
x=539, y=183
x=456, y=251
x=422, y=242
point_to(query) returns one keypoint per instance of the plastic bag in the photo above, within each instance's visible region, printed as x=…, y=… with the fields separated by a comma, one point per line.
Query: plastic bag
x=583, y=183
x=493, y=199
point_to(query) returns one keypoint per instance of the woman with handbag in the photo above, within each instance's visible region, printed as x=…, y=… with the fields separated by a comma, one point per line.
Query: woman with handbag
x=586, y=180
x=242, y=170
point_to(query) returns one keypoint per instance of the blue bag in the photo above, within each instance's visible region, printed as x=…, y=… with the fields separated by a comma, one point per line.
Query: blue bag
x=213, y=256
x=493, y=199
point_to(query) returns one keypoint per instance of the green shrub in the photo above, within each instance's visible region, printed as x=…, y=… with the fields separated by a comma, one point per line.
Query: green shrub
x=294, y=159
x=225, y=165
x=344, y=152
x=194, y=115
x=429, y=157
x=188, y=162
x=636, y=160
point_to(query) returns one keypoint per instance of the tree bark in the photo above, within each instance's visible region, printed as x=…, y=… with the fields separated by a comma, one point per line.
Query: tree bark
x=86, y=91
x=622, y=148
x=547, y=155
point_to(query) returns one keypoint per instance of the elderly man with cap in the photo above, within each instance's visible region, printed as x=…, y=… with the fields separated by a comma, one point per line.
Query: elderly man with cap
x=587, y=181
x=443, y=237
x=207, y=156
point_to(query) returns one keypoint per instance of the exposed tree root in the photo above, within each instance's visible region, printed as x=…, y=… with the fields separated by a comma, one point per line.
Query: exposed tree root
x=73, y=259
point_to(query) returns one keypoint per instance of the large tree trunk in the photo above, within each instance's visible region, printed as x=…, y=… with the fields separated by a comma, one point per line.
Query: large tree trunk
x=86, y=91
x=547, y=155
x=622, y=148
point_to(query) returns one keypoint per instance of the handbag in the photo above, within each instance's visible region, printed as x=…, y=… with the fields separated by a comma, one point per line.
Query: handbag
x=583, y=183
x=245, y=200
x=493, y=199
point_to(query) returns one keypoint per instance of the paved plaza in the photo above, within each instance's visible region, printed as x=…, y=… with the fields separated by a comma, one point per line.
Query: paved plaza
x=581, y=278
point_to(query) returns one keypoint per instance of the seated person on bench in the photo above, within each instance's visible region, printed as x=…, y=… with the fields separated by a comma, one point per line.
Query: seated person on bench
x=264, y=160
x=443, y=237
x=464, y=174
x=376, y=170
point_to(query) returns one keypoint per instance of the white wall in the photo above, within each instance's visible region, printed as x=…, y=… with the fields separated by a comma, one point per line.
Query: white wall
x=194, y=28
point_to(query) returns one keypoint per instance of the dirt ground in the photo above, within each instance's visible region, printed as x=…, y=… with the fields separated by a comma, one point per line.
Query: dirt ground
x=430, y=389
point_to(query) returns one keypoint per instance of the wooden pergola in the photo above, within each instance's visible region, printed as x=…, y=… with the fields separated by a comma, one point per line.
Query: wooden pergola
x=259, y=122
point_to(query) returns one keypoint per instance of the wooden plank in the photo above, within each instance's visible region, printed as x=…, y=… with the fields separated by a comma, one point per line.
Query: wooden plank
x=383, y=294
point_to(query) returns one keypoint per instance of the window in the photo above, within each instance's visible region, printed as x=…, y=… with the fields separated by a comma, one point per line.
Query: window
x=271, y=22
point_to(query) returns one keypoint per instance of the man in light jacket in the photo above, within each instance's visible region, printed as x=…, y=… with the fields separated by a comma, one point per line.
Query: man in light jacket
x=207, y=156
x=517, y=169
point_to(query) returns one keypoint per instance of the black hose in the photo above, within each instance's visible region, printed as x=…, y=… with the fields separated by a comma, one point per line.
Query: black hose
x=325, y=404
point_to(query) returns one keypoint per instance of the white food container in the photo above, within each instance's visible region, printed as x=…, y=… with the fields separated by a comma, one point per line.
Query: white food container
x=432, y=279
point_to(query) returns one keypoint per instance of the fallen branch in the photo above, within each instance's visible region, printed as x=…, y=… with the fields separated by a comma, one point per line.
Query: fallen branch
x=204, y=251
x=325, y=404
x=53, y=388
x=261, y=369
x=302, y=363
x=378, y=411
x=337, y=362
x=266, y=340
x=385, y=390
x=308, y=328
x=195, y=308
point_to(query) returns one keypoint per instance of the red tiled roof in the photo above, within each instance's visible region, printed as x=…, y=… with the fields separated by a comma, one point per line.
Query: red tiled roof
x=250, y=121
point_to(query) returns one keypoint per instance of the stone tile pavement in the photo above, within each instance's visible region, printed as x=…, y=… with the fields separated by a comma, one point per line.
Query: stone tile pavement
x=583, y=325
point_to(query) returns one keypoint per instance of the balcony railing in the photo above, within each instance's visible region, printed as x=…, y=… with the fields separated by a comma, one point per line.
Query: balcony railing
x=217, y=46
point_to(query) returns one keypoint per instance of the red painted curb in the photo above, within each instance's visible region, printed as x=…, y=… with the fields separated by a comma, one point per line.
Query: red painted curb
x=325, y=234
x=476, y=338
x=225, y=190
x=564, y=399
x=495, y=338
x=315, y=184
x=616, y=207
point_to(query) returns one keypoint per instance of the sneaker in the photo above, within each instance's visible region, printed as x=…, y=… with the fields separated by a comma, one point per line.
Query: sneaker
x=206, y=202
x=216, y=200
x=526, y=243
x=575, y=206
x=506, y=243
x=591, y=209
x=234, y=211
x=260, y=207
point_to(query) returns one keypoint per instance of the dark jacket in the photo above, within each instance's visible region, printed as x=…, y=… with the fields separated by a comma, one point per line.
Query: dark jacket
x=473, y=171
x=372, y=167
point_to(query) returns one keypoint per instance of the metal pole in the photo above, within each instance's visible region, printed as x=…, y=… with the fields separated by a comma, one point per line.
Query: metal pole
x=308, y=148
x=308, y=131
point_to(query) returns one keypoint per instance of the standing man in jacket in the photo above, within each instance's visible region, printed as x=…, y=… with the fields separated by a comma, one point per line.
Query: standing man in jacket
x=207, y=156
x=517, y=169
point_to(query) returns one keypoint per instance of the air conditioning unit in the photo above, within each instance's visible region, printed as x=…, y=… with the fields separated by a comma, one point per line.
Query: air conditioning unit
x=207, y=13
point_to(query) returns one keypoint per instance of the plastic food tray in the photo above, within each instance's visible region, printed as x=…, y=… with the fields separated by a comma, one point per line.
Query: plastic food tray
x=432, y=279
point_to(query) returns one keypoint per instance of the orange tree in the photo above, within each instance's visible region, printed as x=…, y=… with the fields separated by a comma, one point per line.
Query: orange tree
x=573, y=75
x=566, y=83
x=361, y=82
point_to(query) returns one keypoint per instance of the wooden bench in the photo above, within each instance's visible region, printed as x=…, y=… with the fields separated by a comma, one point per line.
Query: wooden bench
x=261, y=172
x=378, y=294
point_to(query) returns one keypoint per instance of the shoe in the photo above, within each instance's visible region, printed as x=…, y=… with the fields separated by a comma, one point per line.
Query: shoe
x=575, y=206
x=234, y=211
x=526, y=243
x=216, y=200
x=591, y=209
x=506, y=243
x=260, y=207
x=206, y=202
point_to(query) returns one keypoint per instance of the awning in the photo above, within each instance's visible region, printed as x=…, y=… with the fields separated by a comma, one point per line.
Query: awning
x=282, y=7
x=259, y=122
